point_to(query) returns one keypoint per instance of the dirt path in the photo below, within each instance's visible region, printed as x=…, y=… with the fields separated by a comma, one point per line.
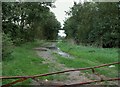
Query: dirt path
x=66, y=78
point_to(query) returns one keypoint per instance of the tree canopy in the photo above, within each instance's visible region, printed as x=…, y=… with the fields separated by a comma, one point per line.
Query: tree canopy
x=94, y=23
x=26, y=21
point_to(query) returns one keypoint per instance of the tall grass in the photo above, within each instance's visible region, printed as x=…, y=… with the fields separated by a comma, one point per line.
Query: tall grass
x=86, y=56
x=24, y=61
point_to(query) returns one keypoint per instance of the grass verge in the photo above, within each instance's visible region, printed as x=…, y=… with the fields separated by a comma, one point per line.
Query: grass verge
x=24, y=61
x=86, y=56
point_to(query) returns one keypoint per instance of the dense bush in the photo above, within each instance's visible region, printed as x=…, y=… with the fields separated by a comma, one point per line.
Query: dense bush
x=7, y=46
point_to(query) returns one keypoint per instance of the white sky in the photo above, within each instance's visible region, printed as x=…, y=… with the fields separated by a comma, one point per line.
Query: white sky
x=61, y=7
x=62, y=33
x=59, y=11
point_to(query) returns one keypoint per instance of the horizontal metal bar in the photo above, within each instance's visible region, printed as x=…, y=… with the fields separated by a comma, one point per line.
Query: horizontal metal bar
x=47, y=74
x=10, y=84
x=94, y=81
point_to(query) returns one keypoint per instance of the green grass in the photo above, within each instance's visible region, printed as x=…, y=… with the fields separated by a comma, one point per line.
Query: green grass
x=24, y=61
x=86, y=56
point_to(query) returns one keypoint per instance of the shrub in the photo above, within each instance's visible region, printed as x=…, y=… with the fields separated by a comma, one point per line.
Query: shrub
x=18, y=41
x=7, y=46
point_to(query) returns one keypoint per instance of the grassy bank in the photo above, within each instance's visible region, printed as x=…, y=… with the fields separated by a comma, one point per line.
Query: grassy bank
x=86, y=56
x=24, y=61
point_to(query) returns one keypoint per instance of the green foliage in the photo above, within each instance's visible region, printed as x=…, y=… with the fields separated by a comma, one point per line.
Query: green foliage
x=26, y=21
x=7, y=46
x=94, y=23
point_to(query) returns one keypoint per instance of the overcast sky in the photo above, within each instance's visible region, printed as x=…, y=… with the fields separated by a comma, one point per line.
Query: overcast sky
x=64, y=5
x=59, y=11
x=61, y=7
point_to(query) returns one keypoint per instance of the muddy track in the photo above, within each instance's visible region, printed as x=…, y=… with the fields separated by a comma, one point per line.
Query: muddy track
x=46, y=52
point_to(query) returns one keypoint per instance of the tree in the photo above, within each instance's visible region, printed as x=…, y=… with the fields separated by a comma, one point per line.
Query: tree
x=94, y=23
x=26, y=21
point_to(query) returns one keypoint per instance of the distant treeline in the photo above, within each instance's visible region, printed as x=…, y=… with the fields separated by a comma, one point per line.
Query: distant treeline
x=94, y=24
